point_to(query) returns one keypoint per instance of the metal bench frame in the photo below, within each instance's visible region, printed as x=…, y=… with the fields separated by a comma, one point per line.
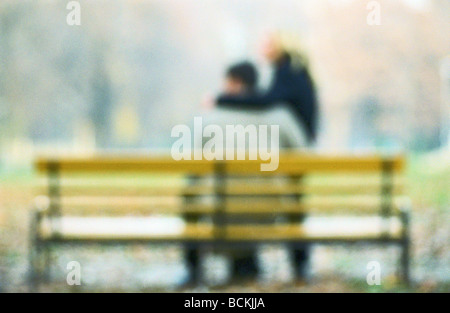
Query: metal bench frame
x=40, y=248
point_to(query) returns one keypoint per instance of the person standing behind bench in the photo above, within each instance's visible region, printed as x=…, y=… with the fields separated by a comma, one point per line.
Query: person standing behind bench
x=291, y=84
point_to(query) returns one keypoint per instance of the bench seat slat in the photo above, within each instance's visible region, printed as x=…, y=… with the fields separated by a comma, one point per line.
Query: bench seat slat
x=289, y=163
x=237, y=189
x=129, y=229
x=170, y=205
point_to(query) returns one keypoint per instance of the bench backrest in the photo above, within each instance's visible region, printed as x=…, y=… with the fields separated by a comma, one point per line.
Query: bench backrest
x=303, y=183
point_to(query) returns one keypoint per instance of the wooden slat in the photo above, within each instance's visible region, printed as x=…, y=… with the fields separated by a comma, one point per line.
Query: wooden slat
x=76, y=206
x=118, y=164
x=292, y=232
x=191, y=232
x=133, y=191
x=296, y=165
x=263, y=232
x=267, y=189
x=171, y=205
x=289, y=163
x=234, y=189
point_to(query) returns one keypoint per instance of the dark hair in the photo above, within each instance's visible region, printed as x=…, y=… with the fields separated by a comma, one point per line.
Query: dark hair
x=245, y=72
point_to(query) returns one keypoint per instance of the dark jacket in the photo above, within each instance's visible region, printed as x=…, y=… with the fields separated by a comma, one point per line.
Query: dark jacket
x=289, y=85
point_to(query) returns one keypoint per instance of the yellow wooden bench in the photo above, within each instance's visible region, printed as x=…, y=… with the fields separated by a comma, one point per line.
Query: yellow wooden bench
x=82, y=191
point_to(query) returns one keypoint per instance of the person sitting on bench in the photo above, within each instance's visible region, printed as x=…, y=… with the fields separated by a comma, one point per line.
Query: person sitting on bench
x=240, y=79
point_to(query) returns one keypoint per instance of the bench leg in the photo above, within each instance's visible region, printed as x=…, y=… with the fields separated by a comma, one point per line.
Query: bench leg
x=47, y=260
x=405, y=259
x=33, y=252
x=36, y=253
x=405, y=262
x=34, y=275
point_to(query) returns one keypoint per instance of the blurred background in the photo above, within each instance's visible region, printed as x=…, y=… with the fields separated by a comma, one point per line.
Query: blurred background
x=134, y=69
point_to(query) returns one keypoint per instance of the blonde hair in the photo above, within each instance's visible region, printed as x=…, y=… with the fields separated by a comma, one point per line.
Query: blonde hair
x=290, y=44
